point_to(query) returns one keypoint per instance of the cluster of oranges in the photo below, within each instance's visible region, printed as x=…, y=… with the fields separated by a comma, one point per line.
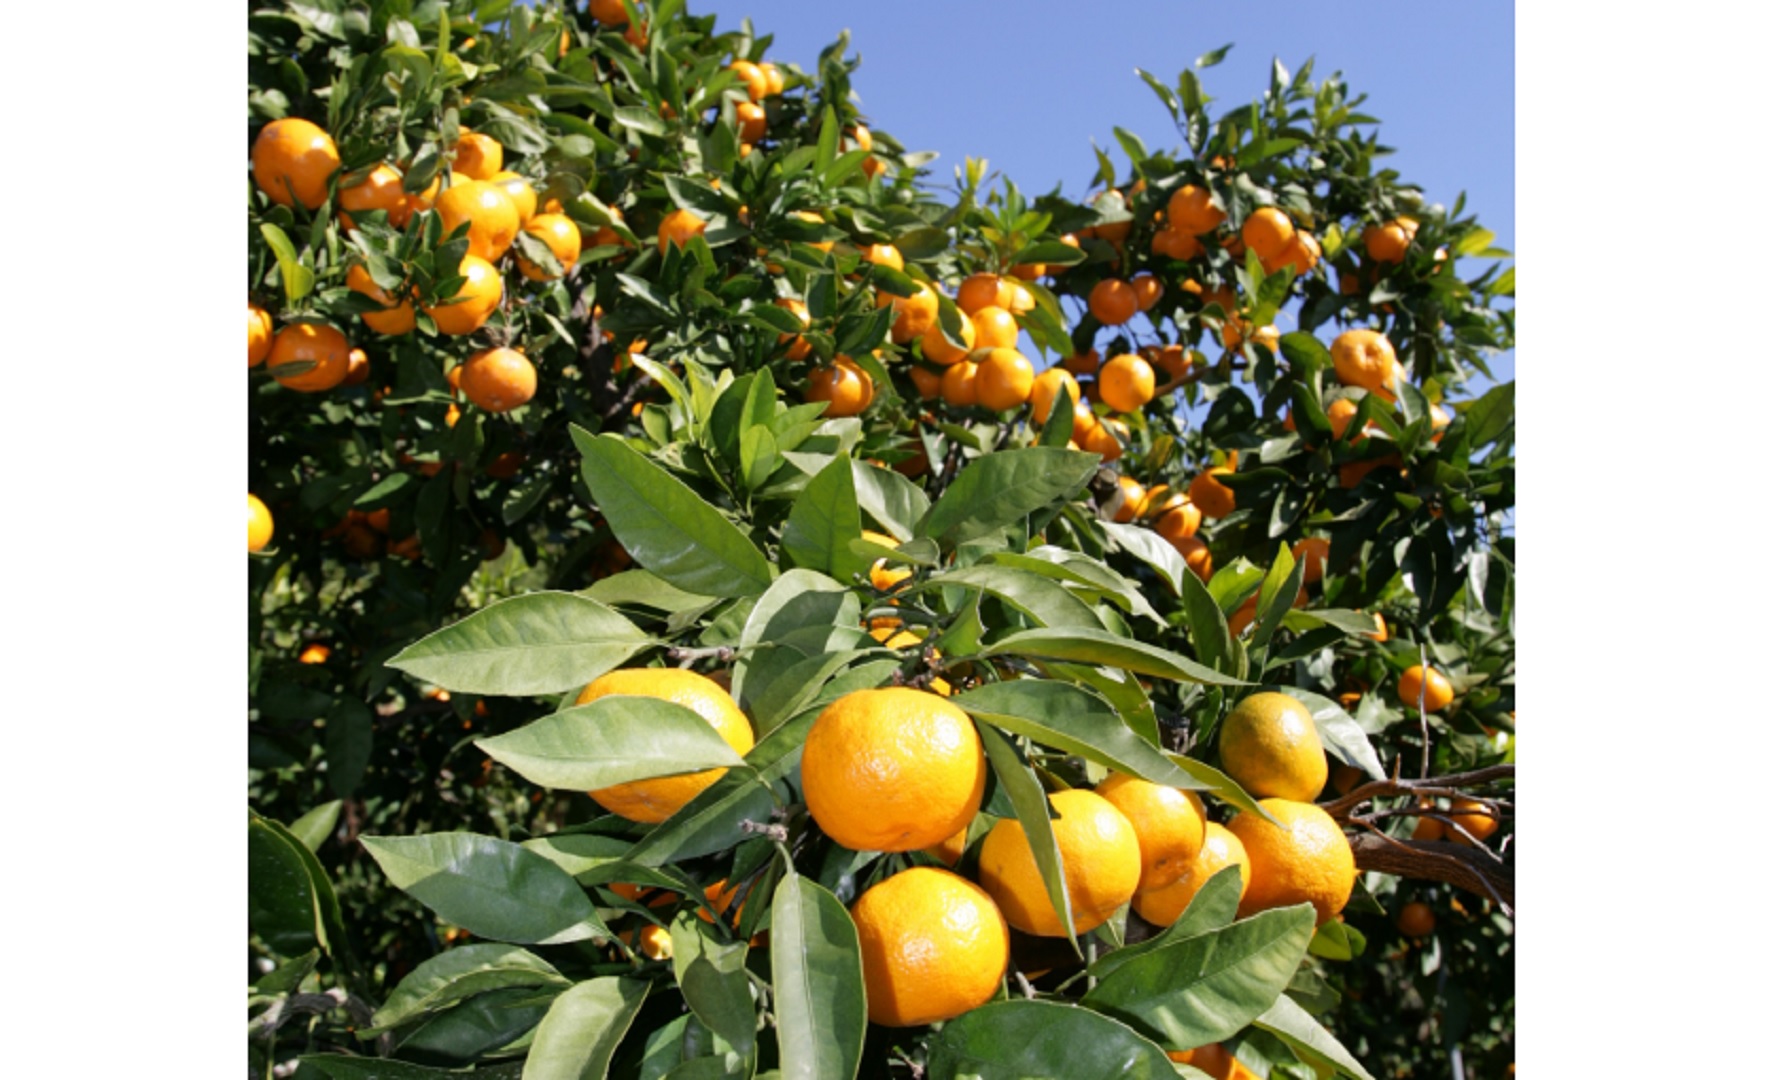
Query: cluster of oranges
x=903, y=770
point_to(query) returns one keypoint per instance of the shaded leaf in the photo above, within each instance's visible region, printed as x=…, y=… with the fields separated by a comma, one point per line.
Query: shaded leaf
x=493, y=888
x=817, y=981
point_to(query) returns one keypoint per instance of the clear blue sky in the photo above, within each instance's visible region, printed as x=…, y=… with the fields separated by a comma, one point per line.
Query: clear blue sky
x=1029, y=85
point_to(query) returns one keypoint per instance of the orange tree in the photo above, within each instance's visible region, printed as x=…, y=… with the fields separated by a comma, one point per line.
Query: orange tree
x=819, y=689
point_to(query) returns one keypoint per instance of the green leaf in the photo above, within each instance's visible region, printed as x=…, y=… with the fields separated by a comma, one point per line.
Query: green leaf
x=540, y=643
x=282, y=899
x=638, y=118
x=817, y=982
x=493, y=888
x=1489, y=417
x=1341, y=735
x=1002, y=488
x=823, y=521
x=347, y=1067
x=1208, y=628
x=313, y=827
x=827, y=142
x=1296, y=1027
x=1051, y=252
x=458, y=974
x=1076, y=721
x=1102, y=647
x=297, y=280
x=1029, y=804
x=1209, y=59
x=714, y=980
x=1058, y=430
x=894, y=501
x=640, y=588
x=1212, y=908
x=583, y=1027
x=479, y=1025
x=1044, y=602
x=612, y=740
x=1206, y=988
x=1009, y=1040
x=667, y=528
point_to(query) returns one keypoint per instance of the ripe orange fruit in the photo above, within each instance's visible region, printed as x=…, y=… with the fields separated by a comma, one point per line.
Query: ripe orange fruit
x=358, y=369
x=610, y=12
x=1194, y=552
x=812, y=216
x=1270, y=745
x=678, y=228
x=1147, y=291
x=472, y=306
x=1085, y=363
x=1434, y=691
x=259, y=525
x=490, y=216
x=1219, y=849
x=1267, y=231
x=324, y=347
x=979, y=291
x=382, y=189
x=960, y=385
x=560, y=235
x=949, y=850
x=316, y=653
x=1004, y=379
x=914, y=315
x=1212, y=498
x=1302, y=254
x=894, y=769
x=1112, y=301
x=516, y=187
x=1366, y=359
x=259, y=331
x=928, y=382
x=845, y=386
x=1176, y=244
x=292, y=162
x=1126, y=383
x=395, y=318
x=1133, y=497
x=750, y=121
x=932, y=944
x=477, y=156
x=604, y=236
x=655, y=800
x=1048, y=384
x=994, y=328
x=1168, y=823
x=881, y=577
x=797, y=347
x=1193, y=210
x=1312, y=553
x=1307, y=862
x=752, y=77
x=1475, y=818
x=939, y=349
x=1428, y=828
x=1029, y=271
x=883, y=255
x=1101, y=858
x=1214, y=1060
x=1175, y=361
x=775, y=81
x=1389, y=242
x=652, y=941
x=1416, y=919
x=1106, y=437
x=1181, y=519
x=497, y=380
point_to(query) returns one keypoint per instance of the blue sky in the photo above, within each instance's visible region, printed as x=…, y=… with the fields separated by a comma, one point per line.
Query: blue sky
x=1029, y=85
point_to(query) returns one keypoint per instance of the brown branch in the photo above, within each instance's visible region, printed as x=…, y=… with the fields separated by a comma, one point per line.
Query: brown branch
x=1451, y=786
x=1436, y=860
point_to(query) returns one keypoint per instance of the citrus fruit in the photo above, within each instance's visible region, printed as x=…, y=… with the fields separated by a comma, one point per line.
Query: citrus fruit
x=914, y=315
x=1302, y=254
x=1085, y=363
x=1311, y=554
x=1126, y=383
x=478, y=156
x=324, y=347
x=1003, y=380
x=928, y=382
x=994, y=328
x=1270, y=745
x=358, y=369
x=610, y=12
x=259, y=525
x=1101, y=858
x=940, y=349
x=516, y=187
x=292, y=162
x=652, y=941
x=845, y=387
x=1212, y=498
x=1219, y=849
x=960, y=385
x=1366, y=359
x=1195, y=554
x=1112, y=302
x=678, y=228
x=750, y=121
x=775, y=82
x=1308, y=862
x=1021, y=301
x=655, y=800
x=797, y=347
x=894, y=769
x=1175, y=244
x=488, y=213
x=1267, y=231
x=394, y=318
x=1147, y=291
x=1387, y=243
x=883, y=255
x=1181, y=519
x=1045, y=388
x=1415, y=919
x=1431, y=691
x=471, y=307
x=382, y=189
x=497, y=380
x=1108, y=438
x=949, y=850
x=1131, y=497
x=752, y=78
x=259, y=331
x=560, y=235
x=881, y=577
x=979, y=291
x=1475, y=818
x=1168, y=823
x=1192, y=209
x=932, y=944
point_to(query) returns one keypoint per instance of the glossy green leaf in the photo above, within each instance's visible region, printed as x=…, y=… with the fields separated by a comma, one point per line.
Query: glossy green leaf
x=817, y=983
x=282, y=900
x=1002, y=488
x=481, y=1024
x=583, y=1027
x=1045, y=602
x=1029, y=804
x=1487, y=418
x=460, y=973
x=1101, y=647
x=493, y=888
x=1342, y=736
x=539, y=643
x=612, y=740
x=894, y=501
x=823, y=521
x=314, y=827
x=297, y=279
x=714, y=980
x=1213, y=907
x=667, y=528
x=1308, y=1038
x=348, y=1067
x=1076, y=721
x=1012, y=1040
